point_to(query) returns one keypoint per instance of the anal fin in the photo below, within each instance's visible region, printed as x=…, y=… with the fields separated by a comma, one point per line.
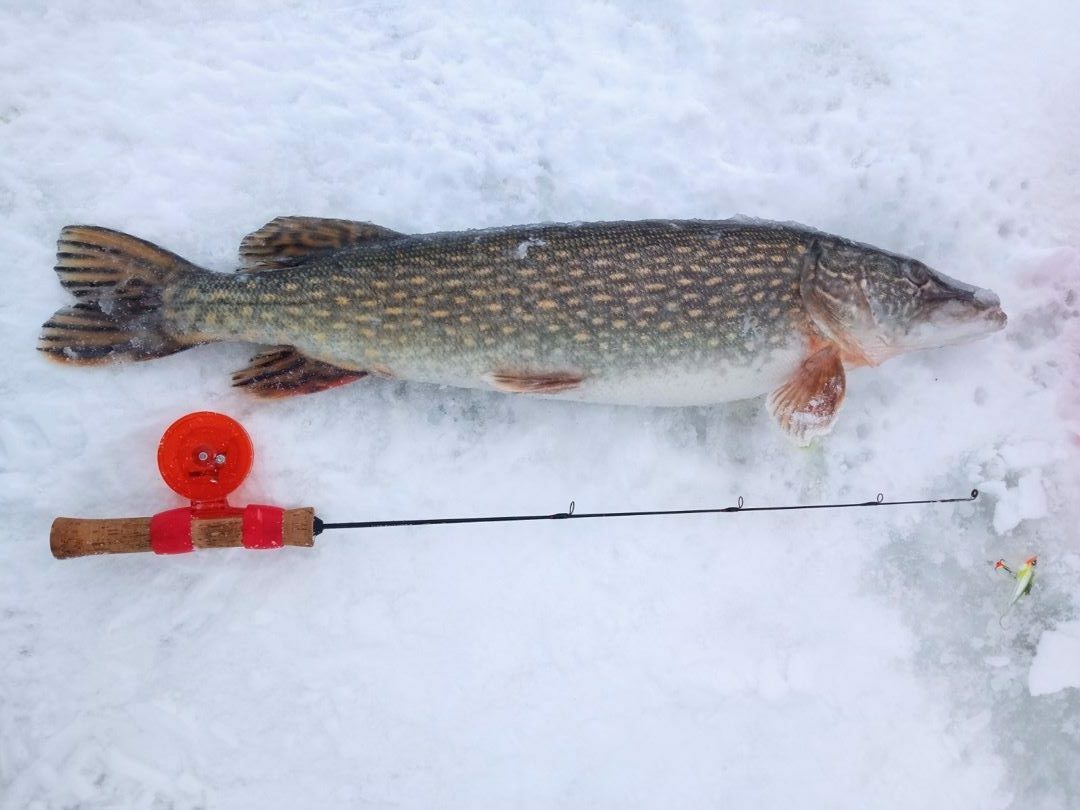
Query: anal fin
x=287, y=241
x=521, y=382
x=807, y=404
x=284, y=372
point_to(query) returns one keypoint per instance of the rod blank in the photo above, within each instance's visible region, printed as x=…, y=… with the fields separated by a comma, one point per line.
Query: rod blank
x=321, y=526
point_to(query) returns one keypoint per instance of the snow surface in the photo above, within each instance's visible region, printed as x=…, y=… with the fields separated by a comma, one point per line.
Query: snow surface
x=845, y=659
x=1057, y=660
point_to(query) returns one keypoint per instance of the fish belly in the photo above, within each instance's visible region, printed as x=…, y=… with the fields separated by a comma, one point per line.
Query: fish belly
x=679, y=387
x=677, y=384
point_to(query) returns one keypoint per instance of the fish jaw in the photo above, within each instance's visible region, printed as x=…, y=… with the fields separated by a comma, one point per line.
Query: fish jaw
x=951, y=324
x=955, y=313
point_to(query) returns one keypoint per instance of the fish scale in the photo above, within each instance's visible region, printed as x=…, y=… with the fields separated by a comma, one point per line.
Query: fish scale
x=604, y=297
x=656, y=312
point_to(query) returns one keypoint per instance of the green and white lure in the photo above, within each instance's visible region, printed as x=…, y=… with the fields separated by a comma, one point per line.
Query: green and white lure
x=1024, y=576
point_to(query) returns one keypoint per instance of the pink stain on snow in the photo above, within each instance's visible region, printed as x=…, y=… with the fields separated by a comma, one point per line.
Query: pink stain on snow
x=1059, y=273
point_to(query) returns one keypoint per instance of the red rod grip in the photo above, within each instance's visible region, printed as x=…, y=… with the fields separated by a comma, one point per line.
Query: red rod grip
x=263, y=526
x=170, y=532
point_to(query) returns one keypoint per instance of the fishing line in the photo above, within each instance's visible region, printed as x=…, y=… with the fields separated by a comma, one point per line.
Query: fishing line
x=571, y=514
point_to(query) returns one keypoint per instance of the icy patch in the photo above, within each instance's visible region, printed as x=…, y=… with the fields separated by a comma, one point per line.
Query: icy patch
x=522, y=250
x=1025, y=501
x=1014, y=476
x=1057, y=660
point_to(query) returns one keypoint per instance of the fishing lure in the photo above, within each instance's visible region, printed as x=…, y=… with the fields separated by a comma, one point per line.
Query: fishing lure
x=1024, y=576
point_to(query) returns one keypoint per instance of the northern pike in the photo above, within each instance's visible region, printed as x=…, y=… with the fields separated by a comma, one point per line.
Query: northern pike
x=655, y=312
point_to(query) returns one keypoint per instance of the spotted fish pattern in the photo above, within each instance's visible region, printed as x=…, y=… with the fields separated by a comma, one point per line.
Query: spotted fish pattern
x=654, y=312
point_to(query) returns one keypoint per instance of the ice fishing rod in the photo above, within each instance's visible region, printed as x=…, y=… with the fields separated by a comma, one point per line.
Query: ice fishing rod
x=205, y=456
x=571, y=514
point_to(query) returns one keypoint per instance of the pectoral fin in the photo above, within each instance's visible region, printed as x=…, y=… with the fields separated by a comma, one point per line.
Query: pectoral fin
x=284, y=372
x=806, y=405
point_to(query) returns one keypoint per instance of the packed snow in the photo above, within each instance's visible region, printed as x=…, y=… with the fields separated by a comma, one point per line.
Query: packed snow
x=840, y=659
x=1055, y=665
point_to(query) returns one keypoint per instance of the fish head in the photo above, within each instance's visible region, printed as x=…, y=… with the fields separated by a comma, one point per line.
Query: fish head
x=877, y=305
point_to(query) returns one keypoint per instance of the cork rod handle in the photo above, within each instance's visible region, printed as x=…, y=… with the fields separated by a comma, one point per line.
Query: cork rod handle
x=78, y=537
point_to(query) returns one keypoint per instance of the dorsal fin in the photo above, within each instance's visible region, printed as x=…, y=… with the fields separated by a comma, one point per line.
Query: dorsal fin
x=287, y=241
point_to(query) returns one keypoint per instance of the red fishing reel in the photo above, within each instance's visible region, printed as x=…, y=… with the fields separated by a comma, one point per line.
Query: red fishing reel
x=203, y=457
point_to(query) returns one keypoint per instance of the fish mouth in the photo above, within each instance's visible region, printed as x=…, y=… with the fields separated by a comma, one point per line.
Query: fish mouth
x=962, y=314
x=997, y=318
x=992, y=311
x=954, y=312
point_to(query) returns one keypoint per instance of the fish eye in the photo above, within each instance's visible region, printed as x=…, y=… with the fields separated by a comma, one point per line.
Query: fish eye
x=916, y=273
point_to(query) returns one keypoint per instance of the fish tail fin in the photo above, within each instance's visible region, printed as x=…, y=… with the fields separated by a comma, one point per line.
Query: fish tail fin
x=119, y=281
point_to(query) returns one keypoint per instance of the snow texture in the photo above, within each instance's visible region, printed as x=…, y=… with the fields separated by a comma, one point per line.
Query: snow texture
x=1057, y=660
x=844, y=659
